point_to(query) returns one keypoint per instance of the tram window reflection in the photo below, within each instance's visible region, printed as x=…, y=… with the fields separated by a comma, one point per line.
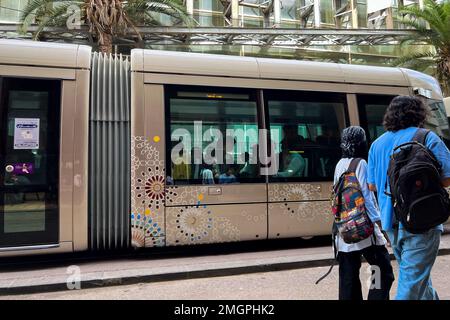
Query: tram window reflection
x=308, y=126
x=212, y=136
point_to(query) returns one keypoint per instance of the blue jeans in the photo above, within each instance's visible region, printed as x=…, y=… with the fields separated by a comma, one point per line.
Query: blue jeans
x=415, y=254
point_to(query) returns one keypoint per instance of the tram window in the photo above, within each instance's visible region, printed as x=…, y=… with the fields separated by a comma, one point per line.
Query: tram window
x=29, y=158
x=305, y=128
x=371, y=111
x=212, y=136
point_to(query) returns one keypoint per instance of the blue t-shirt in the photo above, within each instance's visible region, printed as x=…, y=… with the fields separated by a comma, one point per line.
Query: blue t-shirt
x=379, y=154
x=224, y=178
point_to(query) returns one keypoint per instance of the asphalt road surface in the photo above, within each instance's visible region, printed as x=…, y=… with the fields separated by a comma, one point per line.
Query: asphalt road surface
x=293, y=284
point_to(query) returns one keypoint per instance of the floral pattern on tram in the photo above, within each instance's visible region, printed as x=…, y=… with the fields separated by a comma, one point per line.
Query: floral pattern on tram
x=293, y=219
x=144, y=231
x=198, y=224
x=304, y=211
x=297, y=192
x=147, y=193
x=180, y=195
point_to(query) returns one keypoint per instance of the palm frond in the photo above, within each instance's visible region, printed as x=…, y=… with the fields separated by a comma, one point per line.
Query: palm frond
x=57, y=16
x=41, y=9
x=426, y=57
x=437, y=16
x=174, y=8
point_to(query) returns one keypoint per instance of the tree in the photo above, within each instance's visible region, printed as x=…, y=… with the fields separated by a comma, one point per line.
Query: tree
x=432, y=23
x=106, y=19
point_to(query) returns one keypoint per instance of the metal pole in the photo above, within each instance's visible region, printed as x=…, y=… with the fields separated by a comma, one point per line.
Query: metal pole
x=190, y=7
x=317, y=13
x=235, y=12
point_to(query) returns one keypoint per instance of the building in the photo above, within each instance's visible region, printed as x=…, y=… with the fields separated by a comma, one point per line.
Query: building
x=345, y=31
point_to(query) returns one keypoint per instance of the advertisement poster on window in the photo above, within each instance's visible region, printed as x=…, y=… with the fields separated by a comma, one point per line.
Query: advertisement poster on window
x=26, y=133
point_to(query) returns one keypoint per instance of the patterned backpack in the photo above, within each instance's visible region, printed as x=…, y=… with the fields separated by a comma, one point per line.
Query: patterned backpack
x=351, y=220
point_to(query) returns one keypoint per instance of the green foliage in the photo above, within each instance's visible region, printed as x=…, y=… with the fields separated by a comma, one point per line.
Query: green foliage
x=105, y=18
x=432, y=23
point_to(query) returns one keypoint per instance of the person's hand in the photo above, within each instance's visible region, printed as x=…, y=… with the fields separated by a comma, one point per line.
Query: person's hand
x=388, y=244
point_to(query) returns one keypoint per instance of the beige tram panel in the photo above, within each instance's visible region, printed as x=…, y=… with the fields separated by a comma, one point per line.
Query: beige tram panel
x=218, y=194
x=70, y=64
x=305, y=211
x=216, y=223
x=162, y=67
x=198, y=64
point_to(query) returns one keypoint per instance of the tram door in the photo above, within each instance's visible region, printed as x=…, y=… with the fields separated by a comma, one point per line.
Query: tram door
x=218, y=193
x=29, y=161
x=307, y=146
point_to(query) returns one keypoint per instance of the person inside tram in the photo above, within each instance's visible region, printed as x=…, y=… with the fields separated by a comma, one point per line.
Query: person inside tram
x=228, y=176
x=196, y=165
x=181, y=166
x=292, y=164
x=328, y=153
x=328, y=137
x=207, y=174
x=291, y=136
x=248, y=170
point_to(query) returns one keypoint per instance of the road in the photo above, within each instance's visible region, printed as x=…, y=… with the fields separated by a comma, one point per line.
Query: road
x=293, y=284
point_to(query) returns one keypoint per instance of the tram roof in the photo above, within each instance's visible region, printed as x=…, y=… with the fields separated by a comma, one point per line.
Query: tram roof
x=200, y=64
x=35, y=53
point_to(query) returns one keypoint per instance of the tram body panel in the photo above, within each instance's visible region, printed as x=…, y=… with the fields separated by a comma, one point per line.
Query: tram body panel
x=43, y=208
x=176, y=204
x=200, y=224
x=148, y=165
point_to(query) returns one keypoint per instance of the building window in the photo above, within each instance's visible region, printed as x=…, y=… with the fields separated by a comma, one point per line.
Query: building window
x=10, y=10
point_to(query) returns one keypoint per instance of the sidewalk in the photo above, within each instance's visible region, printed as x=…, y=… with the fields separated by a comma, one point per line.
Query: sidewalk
x=141, y=269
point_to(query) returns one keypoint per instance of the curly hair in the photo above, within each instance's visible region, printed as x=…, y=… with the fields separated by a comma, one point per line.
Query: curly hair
x=404, y=112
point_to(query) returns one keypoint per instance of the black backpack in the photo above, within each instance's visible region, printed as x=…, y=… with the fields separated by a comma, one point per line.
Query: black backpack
x=420, y=201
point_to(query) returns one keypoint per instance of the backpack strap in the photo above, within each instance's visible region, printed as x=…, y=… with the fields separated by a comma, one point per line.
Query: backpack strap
x=421, y=136
x=334, y=233
x=354, y=164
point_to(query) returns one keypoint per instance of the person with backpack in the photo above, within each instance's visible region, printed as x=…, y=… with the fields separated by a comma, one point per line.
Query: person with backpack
x=409, y=168
x=356, y=231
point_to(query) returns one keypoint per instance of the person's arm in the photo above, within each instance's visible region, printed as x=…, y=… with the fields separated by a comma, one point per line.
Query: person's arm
x=371, y=172
x=294, y=166
x=369, y=198
x=442, y=154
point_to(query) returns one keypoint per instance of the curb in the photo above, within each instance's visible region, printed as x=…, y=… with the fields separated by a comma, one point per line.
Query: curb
x=184, y=275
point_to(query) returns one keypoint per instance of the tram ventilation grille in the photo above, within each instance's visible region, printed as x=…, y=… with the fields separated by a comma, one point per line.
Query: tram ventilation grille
x=109, y=153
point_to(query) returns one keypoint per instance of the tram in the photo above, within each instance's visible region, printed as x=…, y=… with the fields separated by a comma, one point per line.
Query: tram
x=164, y=148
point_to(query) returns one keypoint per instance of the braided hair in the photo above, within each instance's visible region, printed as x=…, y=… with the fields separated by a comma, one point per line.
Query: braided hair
x=354, y=142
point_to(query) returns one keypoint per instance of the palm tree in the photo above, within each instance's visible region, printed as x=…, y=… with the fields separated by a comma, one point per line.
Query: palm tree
x=106, y=19
x=432, y=24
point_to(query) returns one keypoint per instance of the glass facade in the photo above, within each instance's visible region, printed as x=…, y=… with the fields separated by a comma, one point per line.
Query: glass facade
x=292, y=14
x=10, y=10
x=332, y=13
